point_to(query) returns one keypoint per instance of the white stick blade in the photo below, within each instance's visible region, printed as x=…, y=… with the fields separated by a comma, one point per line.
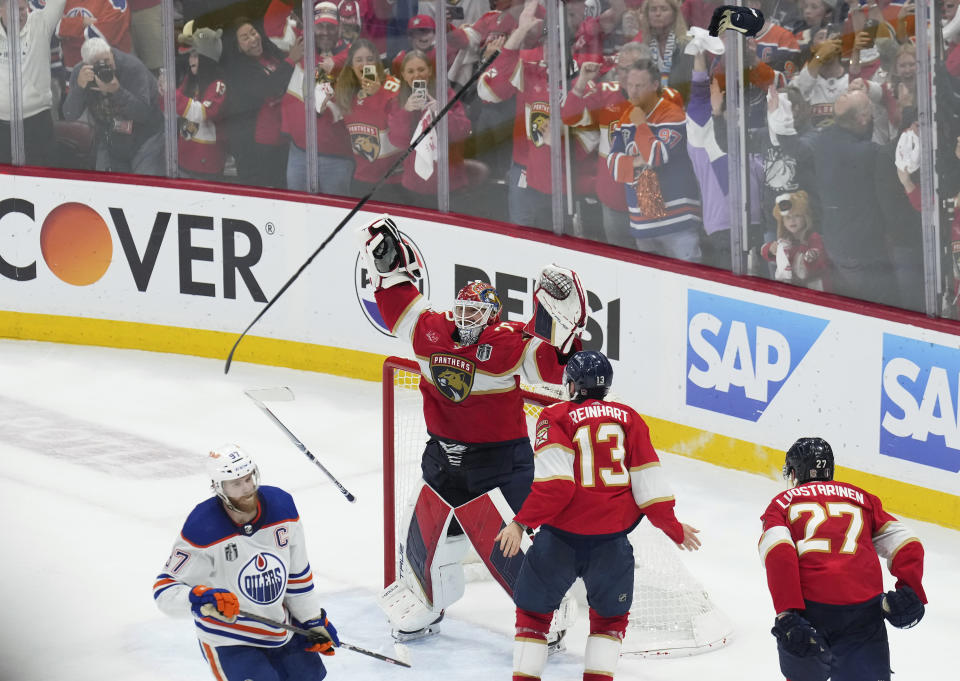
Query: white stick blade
x=402, y=652
x=281, y=394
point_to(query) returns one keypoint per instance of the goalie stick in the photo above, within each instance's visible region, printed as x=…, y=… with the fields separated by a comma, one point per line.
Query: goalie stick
x=261, y=395
x=316, y=638
x=399, y=162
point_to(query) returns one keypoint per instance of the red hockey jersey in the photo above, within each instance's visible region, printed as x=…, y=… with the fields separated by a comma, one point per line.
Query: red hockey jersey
x=596, y=472
x=821, y=542
x=367, y=125
x=332, y=137
x=471, y=393
x=202, y=144
x=112, y=24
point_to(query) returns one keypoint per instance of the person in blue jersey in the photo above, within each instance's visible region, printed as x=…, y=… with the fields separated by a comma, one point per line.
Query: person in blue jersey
x=243, y=551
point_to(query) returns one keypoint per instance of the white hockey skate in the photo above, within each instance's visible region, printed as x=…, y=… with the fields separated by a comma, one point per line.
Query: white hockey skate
x=406, y=636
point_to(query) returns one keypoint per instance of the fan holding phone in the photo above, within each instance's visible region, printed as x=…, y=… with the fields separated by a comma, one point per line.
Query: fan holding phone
x=414, y=107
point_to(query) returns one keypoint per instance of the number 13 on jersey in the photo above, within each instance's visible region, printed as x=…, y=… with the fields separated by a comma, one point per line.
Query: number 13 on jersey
x=602, y=455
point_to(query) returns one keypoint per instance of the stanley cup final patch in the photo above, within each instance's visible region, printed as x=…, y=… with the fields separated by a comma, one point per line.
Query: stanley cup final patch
x=452, y=376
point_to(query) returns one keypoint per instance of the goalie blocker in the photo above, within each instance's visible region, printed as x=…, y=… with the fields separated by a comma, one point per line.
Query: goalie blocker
x=430, y=574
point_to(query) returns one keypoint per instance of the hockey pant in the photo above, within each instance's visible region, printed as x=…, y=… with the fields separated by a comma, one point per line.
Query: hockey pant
x=857, y=635
x=551, y=566
x=289, y=662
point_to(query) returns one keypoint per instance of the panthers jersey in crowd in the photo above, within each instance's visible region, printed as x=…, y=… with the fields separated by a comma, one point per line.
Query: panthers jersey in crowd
x=471, y=393
x=821, y=542
x=596, y=472
x=263, y=562
x=112, y=24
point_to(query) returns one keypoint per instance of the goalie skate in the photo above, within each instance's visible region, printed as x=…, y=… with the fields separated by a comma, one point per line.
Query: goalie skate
x=406, y=636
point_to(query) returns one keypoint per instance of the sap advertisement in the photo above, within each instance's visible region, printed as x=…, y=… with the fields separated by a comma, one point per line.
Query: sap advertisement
x=716, y=360
x=919, y=419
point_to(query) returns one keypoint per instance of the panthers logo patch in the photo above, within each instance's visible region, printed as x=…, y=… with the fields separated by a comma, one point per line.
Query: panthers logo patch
x=539, y=128
x=366, y=146
x=452, y=376
x=543, y=432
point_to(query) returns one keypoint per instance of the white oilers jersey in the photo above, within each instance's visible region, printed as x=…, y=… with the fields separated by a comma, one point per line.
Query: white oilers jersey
x=263, y=562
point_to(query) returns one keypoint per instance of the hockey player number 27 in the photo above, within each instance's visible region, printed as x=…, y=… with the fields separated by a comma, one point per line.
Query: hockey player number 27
x=611, y=477
x=816, y=518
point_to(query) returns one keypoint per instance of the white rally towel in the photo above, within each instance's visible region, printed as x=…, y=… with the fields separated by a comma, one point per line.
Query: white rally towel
x=701, y=40
x=426, y=152
x=907, y=156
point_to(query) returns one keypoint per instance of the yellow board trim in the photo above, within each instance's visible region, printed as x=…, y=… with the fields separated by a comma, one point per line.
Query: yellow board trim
x=184, y=341
x=901, y=498
x=898, y=497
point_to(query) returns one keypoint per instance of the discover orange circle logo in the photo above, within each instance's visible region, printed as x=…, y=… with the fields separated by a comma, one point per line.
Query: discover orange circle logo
x=75, y=243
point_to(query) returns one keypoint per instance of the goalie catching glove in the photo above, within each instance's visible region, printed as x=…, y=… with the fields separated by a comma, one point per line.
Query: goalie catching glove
x=559, y=308
x=390, y=258
x=217, y=603
x=323, y=635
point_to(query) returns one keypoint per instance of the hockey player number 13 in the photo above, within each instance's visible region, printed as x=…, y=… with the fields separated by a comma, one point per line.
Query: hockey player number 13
x=610, y=477
x=818, y=514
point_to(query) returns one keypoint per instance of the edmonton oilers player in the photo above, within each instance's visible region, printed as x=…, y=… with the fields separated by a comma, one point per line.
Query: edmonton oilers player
x=596, y=477
x=821, y=544
x=243, y=549
x=478, y=464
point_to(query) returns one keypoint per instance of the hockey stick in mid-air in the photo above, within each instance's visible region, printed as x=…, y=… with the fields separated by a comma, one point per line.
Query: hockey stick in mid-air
x=315, y=638
x=261, y=395
x=399, y=162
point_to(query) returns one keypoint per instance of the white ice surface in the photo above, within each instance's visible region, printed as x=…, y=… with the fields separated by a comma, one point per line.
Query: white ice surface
x=101, y=459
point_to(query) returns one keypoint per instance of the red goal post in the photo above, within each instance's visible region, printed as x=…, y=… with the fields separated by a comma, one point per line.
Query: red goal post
x=672, y=614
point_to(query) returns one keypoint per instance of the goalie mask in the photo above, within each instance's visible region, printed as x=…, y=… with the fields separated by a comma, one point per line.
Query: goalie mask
x=476, y=307
x=229, y=462
x=809, y=458
x=591, y=374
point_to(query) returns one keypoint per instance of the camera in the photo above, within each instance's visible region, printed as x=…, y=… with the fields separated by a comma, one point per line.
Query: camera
x=104, y=71
x=455, y=12
x=369, y=72
x=419, y=88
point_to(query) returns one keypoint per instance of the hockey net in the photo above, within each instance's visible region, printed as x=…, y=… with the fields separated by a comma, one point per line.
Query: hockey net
x=672, y=614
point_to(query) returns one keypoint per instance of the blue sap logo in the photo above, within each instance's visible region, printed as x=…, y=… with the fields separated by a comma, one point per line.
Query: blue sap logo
x=918, y=406
x=739, y=354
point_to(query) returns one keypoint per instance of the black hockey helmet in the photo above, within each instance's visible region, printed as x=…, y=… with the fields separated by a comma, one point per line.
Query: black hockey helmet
x=809, y=458
x=591, y=374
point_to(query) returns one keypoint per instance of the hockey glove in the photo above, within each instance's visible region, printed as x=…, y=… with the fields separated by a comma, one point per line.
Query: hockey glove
x=390, y=259
x=903, y=608
x=323, y=635
x=218, y=603
x=798, y=637
x=559, y=314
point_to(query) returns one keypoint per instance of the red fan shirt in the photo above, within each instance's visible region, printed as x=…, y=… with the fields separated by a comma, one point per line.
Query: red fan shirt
x=367, y=126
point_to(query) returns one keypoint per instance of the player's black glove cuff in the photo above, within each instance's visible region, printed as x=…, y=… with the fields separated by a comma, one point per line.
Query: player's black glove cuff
x=797, y=636
x=903, y=608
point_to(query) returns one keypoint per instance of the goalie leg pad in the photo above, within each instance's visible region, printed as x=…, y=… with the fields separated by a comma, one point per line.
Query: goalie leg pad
x=426, y=520
x=481, y=520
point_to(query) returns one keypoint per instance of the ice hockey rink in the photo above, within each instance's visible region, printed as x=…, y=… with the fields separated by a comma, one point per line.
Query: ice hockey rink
x=101, y=459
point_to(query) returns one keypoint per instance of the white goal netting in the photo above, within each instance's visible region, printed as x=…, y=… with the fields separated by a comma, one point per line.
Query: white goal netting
x=672, y=613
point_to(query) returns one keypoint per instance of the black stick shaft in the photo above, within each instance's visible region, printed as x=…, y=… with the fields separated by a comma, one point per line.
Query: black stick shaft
x=296, y=441
x=443, y=112
x=312, y=636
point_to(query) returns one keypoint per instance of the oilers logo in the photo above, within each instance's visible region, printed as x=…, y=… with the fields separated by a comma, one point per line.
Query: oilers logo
x=263, y=579
x=368, y=304
x=739, y=355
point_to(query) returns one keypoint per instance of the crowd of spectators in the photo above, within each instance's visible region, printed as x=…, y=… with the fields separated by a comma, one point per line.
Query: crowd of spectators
x=831, y=110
